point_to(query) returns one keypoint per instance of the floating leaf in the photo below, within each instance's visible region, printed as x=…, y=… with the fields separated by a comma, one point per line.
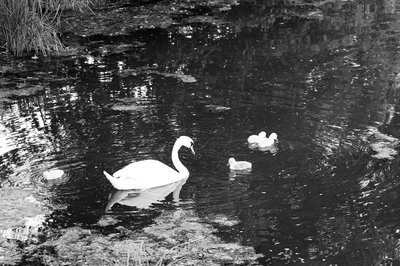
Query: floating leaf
x=128, y=107
x=217, y=108
x=53, y=174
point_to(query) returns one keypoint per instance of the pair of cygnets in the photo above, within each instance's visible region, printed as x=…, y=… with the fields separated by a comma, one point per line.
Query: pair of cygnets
x=261, y=141
x=150, y=173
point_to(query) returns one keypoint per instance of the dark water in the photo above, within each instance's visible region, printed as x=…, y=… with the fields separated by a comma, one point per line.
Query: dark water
x=325, y=80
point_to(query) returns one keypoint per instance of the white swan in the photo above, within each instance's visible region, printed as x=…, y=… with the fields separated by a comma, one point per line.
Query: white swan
x=253, y=139
x=267, y=142
x=152, y=173
x=239, y=165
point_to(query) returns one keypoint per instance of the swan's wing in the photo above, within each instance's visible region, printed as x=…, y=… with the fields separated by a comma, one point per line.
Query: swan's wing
x=144, y=168
x=146, y=174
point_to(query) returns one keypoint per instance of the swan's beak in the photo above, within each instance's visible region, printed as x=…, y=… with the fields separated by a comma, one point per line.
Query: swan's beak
x=191, y=148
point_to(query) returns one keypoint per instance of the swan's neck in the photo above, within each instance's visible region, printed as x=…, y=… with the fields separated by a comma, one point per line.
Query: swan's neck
x=177, y=163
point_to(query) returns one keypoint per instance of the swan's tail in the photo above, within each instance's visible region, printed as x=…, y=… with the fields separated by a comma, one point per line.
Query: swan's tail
x=112, y=179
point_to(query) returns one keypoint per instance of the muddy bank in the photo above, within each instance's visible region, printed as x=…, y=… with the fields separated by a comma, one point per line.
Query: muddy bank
x=179, y=237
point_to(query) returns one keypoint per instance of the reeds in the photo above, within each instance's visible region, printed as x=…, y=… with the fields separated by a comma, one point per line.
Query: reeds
x=27, y=25
x=31, y=25
x=78, y=5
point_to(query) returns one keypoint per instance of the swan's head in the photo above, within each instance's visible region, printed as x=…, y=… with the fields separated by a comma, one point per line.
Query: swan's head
x=262, y=134
x=186, y=141
x=231, y=161
x=273, y=136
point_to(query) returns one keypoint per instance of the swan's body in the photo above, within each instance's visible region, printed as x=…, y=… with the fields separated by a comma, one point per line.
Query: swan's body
x=267, y=142
x=239, y=165
x=152, y=173
x=254, y=139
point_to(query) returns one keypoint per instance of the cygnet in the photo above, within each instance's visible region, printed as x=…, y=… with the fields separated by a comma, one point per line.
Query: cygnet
x=266, y=142
x=239, y=165
x=253, y=139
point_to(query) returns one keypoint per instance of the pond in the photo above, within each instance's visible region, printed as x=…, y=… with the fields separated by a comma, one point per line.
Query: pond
x=323, y=77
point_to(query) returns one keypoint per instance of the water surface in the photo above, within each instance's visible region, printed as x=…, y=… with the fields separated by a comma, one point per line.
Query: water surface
x=324, y=78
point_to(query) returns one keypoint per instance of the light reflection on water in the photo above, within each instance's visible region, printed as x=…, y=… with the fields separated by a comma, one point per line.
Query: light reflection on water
x=321, y=91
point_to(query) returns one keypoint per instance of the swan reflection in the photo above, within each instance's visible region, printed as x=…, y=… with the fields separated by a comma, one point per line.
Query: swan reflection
x=143, y=199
